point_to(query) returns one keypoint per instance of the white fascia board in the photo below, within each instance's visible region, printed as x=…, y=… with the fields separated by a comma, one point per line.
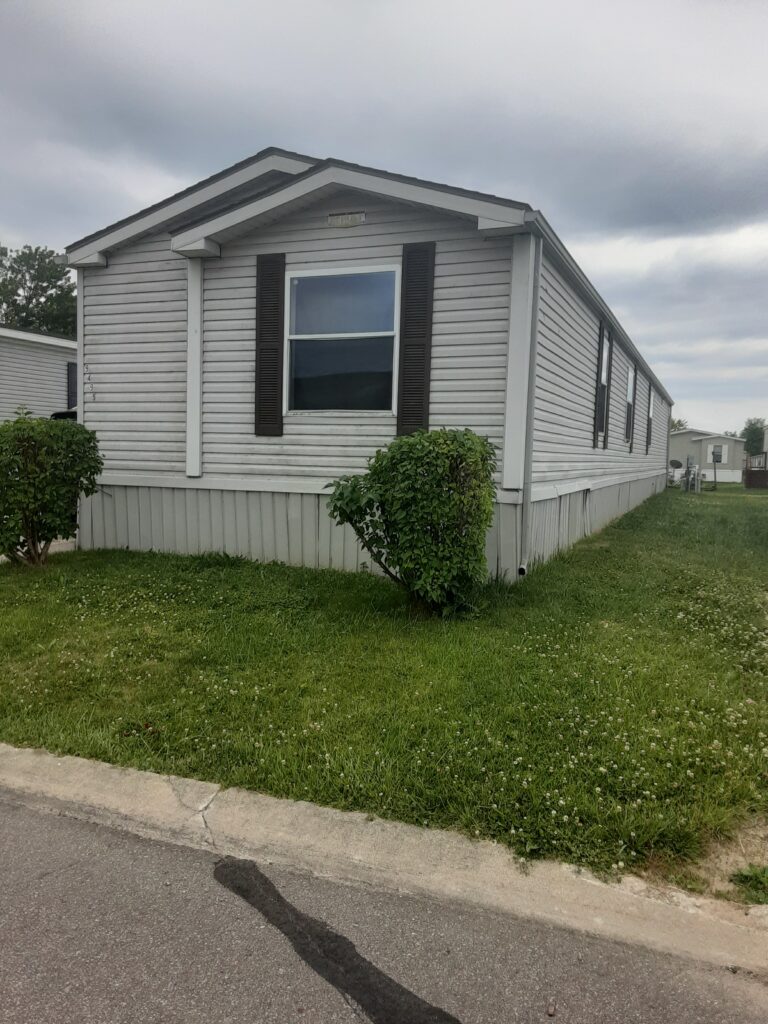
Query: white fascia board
x=346, y=177
x=37, y=339
x=275, y=162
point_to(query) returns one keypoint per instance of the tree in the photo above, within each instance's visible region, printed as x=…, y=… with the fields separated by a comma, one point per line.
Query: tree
x=678, y=424
x=752, y=432
x=45, y=465
x=36, y=293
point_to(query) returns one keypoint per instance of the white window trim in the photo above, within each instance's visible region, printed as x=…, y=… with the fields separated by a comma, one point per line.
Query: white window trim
x=339, y=271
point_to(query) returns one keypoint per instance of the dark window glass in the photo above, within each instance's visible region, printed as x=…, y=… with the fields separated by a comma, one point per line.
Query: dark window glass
x=341, y=373
x=601, y=399
x=602, y=394
x=343, y=303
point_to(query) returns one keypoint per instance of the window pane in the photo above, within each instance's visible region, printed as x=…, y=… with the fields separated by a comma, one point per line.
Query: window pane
x=606, y=360
x=343, y=303
x=341, y=373
x=631, y=383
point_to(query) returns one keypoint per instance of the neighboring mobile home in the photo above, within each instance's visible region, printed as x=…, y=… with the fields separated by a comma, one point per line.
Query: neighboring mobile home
x=251, y=338
x=701, y=447
x=37, y=371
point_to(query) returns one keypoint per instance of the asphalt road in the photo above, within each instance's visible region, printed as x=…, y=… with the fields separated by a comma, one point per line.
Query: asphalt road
x=100, y=926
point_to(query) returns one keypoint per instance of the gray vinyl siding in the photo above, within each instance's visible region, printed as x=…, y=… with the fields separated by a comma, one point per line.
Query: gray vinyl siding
x=135, y=338
x=33, y=375
x=471, y=313
x=564, y=410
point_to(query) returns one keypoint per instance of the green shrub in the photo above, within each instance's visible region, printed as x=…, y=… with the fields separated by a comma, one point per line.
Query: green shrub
x=45, y=465
x=422, y=511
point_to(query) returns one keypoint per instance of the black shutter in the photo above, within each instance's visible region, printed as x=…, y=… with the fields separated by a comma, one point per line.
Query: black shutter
x=415, y=336
x=632, y=421
x=71, y=385
x=608, y=393
x=598, y=386
x=270, y=306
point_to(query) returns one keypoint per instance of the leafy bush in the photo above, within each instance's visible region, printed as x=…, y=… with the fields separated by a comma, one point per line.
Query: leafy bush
x=45, y=465
x=422, y=511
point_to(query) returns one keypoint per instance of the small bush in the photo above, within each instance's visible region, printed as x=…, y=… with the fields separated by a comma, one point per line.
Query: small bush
x=422, y=512
x=45, y=465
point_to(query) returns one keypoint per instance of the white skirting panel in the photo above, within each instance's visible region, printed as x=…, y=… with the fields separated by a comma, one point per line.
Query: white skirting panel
x=296, y=529
x=265, y=526
x=557, y=523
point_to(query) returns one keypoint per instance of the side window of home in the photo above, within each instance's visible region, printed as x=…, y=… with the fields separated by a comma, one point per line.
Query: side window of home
x=649, y=435
x=342, y=347
x=629, y=427
x=602, y=395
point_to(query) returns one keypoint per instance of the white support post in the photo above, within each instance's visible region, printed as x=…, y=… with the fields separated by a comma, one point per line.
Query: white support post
x=521, y=312
x=194, y=367
x=80, y=346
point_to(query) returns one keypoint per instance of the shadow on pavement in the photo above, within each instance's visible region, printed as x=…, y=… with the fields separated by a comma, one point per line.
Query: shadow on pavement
x=329, y=954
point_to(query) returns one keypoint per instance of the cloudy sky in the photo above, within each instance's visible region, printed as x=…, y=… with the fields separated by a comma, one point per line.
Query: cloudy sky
x=639, y=128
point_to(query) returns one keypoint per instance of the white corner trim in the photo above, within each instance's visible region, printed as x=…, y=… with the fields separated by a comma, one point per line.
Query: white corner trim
x=153, y=218
x=362, y=181
x=80, y=344
x=518, y=359
x=194, y=367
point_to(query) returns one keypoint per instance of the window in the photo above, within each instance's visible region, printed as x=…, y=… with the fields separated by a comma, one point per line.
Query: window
x=649, y=435
x=631, y=392
x=603, y=383
x=717, y=453
x=341, y=337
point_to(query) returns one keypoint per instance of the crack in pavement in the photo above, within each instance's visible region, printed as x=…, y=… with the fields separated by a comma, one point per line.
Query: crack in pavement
x=332, y=956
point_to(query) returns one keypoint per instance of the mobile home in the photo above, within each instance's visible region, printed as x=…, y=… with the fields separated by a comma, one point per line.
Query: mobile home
x=246, y=341
x=700, y=448
x=37, y=372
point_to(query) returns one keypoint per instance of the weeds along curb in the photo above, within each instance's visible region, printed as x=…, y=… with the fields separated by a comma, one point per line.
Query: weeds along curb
x=356, y=848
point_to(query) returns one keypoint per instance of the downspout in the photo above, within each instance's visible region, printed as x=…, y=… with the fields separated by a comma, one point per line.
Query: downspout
x=525, y=526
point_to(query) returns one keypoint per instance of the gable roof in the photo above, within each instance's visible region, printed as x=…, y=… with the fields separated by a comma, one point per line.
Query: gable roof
x=704, y=435
x=194, y=196
x=293, y=167
x=721, y=437
x=18, y=334
x=214, y=206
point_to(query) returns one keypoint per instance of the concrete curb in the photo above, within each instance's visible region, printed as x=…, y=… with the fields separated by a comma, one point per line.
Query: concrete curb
x=354, y=847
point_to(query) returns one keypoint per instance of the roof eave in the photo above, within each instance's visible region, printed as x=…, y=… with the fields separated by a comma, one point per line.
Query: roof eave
x=490, y=213
x=91, y=250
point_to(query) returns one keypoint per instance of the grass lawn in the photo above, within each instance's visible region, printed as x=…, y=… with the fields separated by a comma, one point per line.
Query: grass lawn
x=610, y=710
